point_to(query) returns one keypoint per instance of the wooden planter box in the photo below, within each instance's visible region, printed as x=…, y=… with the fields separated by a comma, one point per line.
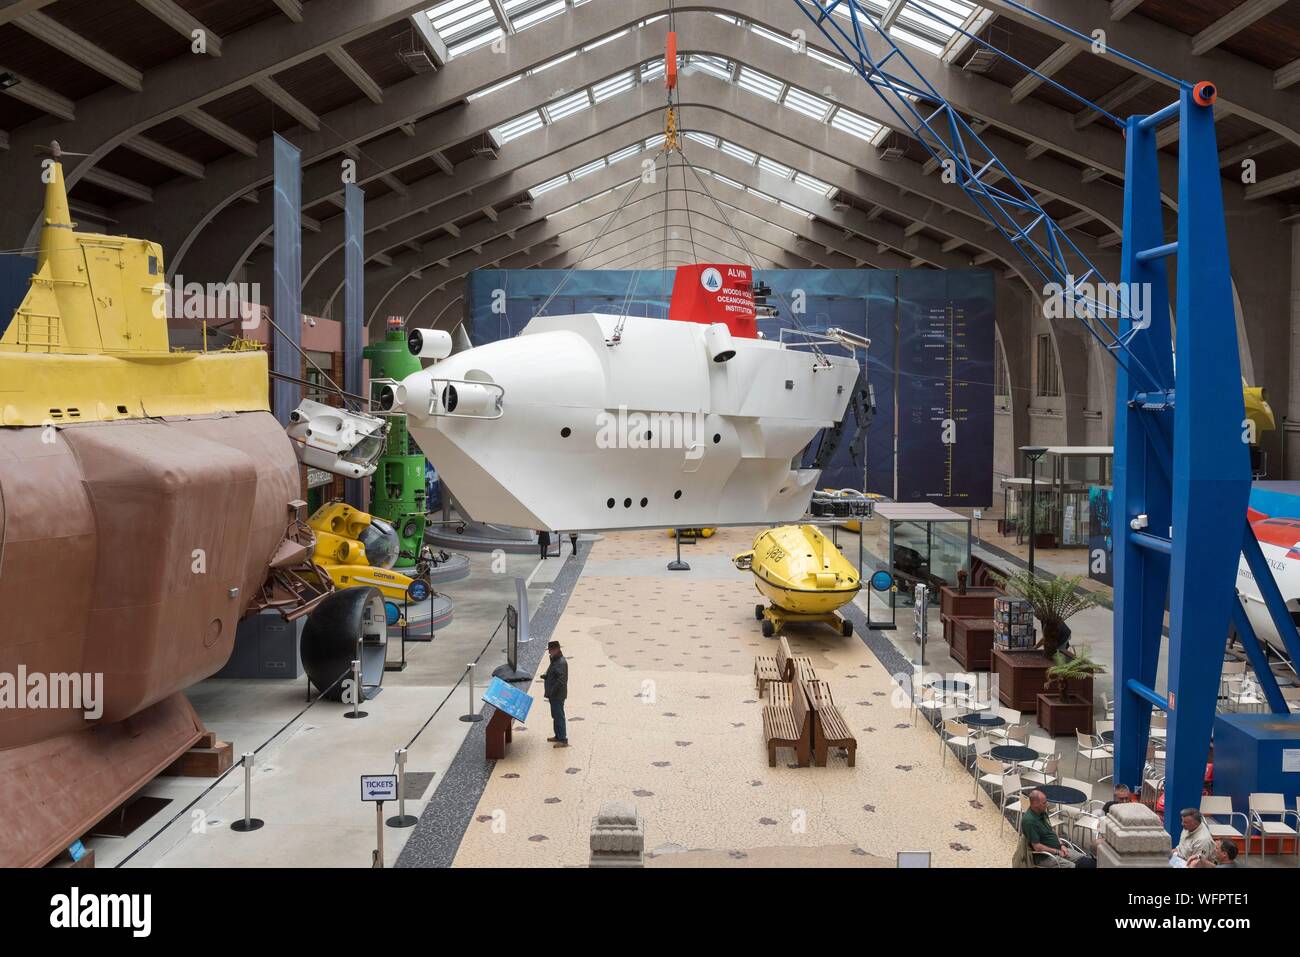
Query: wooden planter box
x=1064, y=714
x=1021, y=675
x=972, y=643
x=976, y=603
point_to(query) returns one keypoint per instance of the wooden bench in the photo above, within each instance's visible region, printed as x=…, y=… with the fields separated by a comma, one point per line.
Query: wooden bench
x=792, y=666
x=789, y=727
x=778, y=694
x=830, y=730
x=765, y=672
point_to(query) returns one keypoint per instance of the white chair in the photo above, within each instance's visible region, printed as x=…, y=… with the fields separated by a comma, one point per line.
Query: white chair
x=1246, y=695
x=1220, y=805
x=930, y=703
x=1087, y=823
x=1069, y=812
x=1092, y=748
x=1159, y=724
x=1018, y=734
x=1044, y=747
x=1108, y=706
x=1263, y=806
x=992, y=773
x=1232, y=672
x=1044, y=859
x=1047, y=774
x=957, y=735
x=1011, y=788
x=1012, y=718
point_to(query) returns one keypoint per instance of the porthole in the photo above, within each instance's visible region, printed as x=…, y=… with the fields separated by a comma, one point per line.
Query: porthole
x=609, y=503
x=717, y=437
x=677, y=494
x=627, y=503
x=645, y=502
x=565, y=432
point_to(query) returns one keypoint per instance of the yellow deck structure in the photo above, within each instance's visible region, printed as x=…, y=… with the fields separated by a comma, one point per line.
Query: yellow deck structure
x=89, y=342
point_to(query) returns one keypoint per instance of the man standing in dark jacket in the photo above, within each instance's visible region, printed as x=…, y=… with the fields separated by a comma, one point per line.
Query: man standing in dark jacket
x=556, y=685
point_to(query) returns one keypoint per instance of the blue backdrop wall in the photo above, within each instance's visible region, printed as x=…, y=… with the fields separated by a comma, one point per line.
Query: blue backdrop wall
x=930, y=363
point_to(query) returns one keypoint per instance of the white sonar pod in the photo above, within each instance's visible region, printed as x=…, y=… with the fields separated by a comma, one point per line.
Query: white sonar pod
x=469, y=399
x=430, y=343
x=717, y=339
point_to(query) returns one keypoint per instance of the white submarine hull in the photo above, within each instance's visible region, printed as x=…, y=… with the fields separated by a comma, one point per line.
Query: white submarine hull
x=558, y=429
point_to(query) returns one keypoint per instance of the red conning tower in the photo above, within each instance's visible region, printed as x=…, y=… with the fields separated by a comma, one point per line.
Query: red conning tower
x=715, y=292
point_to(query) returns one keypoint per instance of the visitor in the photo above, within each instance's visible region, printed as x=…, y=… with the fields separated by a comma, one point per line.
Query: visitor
x=1122, y=794
x=1223, y=854
x=1196, y=840
x=556, y=688
x=1041, y=837
x=573, y=541
x=544, y=542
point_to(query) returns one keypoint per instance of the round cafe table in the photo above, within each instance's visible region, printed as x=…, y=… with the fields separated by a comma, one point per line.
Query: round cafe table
x=948, y=684
x=1013, y=752
x=1108, y=737
x=1058, y=793
x=983, y=720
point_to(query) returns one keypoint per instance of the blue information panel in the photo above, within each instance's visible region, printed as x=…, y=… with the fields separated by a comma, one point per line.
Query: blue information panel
x=930, y=364
x=509, y=699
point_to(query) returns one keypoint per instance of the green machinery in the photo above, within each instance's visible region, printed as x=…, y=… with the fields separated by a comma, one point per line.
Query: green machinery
x=398, y=494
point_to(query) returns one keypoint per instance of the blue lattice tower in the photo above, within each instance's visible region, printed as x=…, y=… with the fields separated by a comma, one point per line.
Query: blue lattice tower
x=1182, y=463
x=1180, y=505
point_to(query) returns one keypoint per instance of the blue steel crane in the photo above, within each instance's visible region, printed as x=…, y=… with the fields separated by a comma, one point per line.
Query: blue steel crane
x=1182, y=467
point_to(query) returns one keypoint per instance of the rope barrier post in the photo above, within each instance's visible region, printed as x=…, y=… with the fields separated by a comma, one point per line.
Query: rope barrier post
x=472, y=715
x=248, y=823
x=357, y=691
x=677, y=565
x=401, y=819
x=379, y=834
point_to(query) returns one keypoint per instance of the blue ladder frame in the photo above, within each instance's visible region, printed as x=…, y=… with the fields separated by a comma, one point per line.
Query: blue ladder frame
x=1181, y=478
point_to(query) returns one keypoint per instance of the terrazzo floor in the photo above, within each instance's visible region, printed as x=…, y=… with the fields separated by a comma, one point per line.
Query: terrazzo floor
x=663, y=714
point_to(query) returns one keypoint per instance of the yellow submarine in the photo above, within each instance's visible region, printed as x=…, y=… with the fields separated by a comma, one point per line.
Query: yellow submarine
x=802, y=574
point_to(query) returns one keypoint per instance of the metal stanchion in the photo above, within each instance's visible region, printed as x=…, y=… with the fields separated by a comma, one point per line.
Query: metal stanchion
x=357, y=692
x=677, y=565
x=472, y=715
x=402, y=819
x=249, y=823
x=379, y=834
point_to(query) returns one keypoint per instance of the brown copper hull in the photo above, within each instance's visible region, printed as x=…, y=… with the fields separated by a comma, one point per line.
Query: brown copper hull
x=53, y=792
x=131, y=549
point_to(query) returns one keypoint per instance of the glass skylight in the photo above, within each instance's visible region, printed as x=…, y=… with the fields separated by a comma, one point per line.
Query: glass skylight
x=760, y=83
x=567, y=105
x=807, y=104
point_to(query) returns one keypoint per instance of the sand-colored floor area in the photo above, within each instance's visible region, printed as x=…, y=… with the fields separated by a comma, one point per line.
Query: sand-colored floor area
x=663, y=714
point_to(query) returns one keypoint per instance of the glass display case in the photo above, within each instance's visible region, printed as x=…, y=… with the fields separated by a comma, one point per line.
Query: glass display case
x=1062, y=514
x=922, y=543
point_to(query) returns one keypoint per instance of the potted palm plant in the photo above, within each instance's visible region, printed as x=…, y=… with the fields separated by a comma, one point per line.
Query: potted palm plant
x=1072, y=674
x=1055, y=600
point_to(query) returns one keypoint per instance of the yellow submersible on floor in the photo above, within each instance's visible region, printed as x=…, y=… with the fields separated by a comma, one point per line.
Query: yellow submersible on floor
x=802, y=574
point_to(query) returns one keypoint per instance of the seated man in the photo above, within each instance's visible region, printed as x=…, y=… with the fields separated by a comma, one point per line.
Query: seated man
x=1122, y=795
x=1223, y=855
x=1042, y=838
x=1196, y=841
